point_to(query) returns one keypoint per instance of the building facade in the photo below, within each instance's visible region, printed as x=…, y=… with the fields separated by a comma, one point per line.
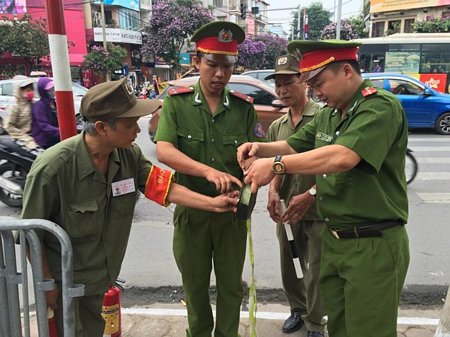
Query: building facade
x=389, y=17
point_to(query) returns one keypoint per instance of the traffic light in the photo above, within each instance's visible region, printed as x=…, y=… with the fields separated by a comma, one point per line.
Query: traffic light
x=243, y=11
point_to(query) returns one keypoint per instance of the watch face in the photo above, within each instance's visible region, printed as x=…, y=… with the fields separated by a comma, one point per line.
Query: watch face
x=278, y=168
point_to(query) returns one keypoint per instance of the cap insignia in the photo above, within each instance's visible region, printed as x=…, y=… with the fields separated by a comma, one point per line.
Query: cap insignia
x=282, y=60
x=297, y=54
x=225, y=35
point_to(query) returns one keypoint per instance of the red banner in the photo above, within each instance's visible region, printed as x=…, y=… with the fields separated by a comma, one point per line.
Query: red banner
x=435, y=81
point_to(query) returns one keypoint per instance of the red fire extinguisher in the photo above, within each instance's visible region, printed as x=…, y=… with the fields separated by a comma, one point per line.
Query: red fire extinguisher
x=111, y=311
x=52, y=330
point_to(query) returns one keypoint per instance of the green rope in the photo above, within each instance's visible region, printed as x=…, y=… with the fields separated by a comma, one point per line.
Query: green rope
x=252, y=290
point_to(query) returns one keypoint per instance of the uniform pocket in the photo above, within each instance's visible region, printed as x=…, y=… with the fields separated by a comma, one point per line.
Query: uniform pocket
x=82, y=219
x=190, y=142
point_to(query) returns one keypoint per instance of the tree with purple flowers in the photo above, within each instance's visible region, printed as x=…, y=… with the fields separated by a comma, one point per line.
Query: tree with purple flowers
x=351, y=29
x=172, y=22
x=252, y=54
x=274, y=47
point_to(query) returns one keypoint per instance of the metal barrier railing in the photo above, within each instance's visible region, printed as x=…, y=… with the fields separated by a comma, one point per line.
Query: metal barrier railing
x=11, y=320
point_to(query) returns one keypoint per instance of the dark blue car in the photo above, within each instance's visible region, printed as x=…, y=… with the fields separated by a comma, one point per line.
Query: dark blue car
x=424, y=107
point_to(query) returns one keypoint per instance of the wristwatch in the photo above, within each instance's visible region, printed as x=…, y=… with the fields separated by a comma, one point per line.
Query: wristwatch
x=312, y=192
x=278, y=166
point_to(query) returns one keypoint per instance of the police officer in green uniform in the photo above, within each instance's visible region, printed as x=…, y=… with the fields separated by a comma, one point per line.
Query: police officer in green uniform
x=303, y=295
x=89, y=184
x=356, y=147
x=198, y=135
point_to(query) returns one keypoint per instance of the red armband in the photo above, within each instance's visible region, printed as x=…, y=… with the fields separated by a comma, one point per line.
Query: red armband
x=158, y=184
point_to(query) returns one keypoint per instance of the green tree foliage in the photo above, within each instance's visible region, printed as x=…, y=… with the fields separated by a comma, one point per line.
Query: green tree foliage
x=24, y=37
x=438, y=25
x=104, y=61
x=171, y=24
x=318, y=18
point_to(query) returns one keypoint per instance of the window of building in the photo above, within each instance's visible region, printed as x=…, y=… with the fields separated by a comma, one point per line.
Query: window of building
x=393, y=27
x=446, y=15
x=218, y=3
x=409, y=26
x=378, y=29
x=129, y=19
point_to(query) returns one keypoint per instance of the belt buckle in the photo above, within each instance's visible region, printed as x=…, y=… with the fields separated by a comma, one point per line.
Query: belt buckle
x=334, y=233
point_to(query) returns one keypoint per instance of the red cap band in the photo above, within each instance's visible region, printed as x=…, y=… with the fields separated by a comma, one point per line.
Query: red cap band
x=319, y=58
x=212, y=45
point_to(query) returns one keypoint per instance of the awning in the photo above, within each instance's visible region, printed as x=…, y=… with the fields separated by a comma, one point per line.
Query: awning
x=76, y=59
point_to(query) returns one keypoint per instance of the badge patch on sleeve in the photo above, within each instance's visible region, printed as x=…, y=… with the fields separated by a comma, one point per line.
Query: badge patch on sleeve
x=258, y=131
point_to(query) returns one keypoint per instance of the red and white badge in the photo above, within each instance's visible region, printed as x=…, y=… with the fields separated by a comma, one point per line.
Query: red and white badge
x=123, y=187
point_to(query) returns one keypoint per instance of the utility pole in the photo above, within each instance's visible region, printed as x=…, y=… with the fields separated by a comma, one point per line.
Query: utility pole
x=105, y=46
x=59, y=55
x=338, y=20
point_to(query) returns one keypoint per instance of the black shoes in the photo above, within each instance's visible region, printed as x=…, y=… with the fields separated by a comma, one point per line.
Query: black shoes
x=294, y=323
x=315, y=334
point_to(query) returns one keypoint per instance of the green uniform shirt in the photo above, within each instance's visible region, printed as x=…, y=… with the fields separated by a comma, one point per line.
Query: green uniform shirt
x=375, y=127
x=187, y=123
x=294, y=184
x=65, y=187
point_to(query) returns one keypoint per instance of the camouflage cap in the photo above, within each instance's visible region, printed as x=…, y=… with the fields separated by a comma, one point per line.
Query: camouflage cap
x=285, y=65
x=114, y=99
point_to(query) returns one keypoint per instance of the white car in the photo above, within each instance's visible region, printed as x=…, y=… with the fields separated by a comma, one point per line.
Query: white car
x=7, y=99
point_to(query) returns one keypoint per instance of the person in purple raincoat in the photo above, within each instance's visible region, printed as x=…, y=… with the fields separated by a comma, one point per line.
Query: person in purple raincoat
x=44, y=120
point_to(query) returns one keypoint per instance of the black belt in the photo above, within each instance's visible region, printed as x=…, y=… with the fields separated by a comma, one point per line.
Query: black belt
x=364, y=231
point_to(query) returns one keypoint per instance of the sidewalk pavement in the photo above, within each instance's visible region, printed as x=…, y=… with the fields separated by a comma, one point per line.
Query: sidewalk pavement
x=163, y=320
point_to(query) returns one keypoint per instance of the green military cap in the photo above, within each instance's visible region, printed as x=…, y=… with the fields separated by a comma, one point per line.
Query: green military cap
x=219, y=37
x=285, y=65
x=315, y=56
x=114, y=99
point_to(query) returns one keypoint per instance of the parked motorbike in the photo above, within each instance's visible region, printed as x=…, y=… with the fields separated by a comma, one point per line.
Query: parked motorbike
x=15, y=163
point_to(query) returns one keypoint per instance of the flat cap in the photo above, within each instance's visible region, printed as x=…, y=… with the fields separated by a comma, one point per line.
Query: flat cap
x=285, y=65
x=114, y=99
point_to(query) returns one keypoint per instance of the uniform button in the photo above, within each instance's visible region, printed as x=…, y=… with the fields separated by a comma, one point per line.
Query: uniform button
x=212, y=140
x=320, y=198
x=212, y=120
x=213, y=159
x=327, y=220
x=337, y=133
x=324, y=176
x=235, y=141
x=189, y=136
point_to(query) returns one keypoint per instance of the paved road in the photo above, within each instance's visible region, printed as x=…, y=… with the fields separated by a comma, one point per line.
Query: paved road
x=149, y=260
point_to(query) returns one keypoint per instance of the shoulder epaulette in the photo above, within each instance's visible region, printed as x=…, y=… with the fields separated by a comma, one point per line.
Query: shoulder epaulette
x=177, y=91
x=244, y=97
x=369, y=91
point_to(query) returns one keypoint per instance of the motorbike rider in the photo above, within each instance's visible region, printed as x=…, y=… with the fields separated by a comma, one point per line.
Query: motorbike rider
x=44, y=126
x=19, y=124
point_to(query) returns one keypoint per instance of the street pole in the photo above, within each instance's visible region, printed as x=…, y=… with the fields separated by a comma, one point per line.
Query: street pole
x=59, y=55
x=338, y=20
x=105, y=46
x=299, y=12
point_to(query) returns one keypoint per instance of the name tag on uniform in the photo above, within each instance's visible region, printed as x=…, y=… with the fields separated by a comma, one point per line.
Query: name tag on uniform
x=123, y=187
